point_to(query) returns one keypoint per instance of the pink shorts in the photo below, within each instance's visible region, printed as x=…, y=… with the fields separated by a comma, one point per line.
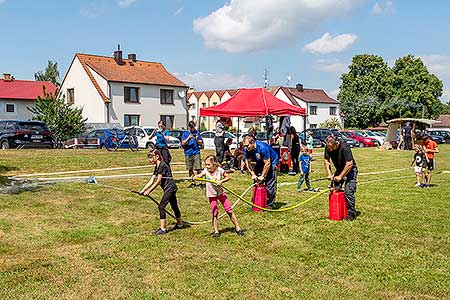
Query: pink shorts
x=225, y=203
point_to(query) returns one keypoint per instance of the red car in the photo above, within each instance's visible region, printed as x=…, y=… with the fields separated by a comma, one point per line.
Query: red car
x=363, y=141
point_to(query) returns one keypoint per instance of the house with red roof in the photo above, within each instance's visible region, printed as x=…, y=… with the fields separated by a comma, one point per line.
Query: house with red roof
x=125, y=91
x=17, y=95
x=319, y=106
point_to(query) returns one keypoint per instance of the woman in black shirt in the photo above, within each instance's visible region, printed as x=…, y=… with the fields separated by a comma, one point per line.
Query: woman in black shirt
x=295, y=149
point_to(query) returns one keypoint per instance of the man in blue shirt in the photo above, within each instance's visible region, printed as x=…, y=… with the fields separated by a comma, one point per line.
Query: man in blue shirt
x=162, y=136
x=191, y=141
x=262, y=162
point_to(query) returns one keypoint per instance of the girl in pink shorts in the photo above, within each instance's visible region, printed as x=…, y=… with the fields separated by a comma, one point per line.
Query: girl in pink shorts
x=215, y=193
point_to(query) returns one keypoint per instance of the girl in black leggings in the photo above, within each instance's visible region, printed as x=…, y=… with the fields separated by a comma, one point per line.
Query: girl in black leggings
x=162, y=176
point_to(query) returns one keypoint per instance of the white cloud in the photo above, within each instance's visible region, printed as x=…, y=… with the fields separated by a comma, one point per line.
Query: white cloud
x=333, y=94
x=445, y=98
x=332, y=65
x=125, y=3
x=328, y=44
x=178, y=11
x=208, y=81
x=386, y=8
x=252, y=25
x=438, y=65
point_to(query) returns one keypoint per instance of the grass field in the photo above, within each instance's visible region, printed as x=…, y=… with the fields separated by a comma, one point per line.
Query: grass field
x=80, y=241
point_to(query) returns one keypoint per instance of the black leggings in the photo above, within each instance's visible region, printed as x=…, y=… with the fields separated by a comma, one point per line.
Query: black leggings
x=294, y=157
x=169, y=197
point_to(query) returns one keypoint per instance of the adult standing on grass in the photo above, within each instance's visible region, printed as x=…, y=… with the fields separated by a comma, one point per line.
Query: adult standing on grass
x=430, y=147
x=162, y=136
x=219, y=141
x=262, y=161
x=407, y=136
x=294, y=144
x=191, y=140
x=346, y=171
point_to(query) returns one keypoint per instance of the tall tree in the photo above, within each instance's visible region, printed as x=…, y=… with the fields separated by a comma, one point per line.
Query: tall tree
x=414, y=86
x=64, y=120
x=363, y=90
x=51, y=73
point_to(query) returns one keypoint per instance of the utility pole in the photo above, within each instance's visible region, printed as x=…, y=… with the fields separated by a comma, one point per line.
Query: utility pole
x=266, y=78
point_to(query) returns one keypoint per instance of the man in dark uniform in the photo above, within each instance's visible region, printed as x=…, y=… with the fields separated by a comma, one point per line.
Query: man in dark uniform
x=346, y=171
x=407, y=136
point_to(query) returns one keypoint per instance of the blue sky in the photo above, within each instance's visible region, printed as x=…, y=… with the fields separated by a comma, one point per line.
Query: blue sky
x=214, y=44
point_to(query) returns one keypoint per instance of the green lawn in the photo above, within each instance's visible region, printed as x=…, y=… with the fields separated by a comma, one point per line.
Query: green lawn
x=80, y=241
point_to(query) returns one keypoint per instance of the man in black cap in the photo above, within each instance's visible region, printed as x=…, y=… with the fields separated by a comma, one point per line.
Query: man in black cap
x=346, y=171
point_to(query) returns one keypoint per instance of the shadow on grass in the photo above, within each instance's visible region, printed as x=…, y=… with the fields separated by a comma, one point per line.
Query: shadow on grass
x=7, y=169
x=14, y=187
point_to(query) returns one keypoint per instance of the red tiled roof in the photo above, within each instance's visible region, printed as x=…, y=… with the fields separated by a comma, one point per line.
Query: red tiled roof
x=445, y=121
x=134, y=72
x=232, y=92
x=25, y=89
x=208, y=94
x=220, y=93
x=196, y=94
x=310, y=95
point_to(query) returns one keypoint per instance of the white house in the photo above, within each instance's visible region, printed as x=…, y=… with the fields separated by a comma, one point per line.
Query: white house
x=125, y=91
x=17, y=95
x=319, y=106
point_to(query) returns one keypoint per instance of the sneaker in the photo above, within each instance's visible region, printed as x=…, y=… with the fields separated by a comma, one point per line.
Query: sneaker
x=418, y=184
x=350, y=218
x=160, y=231
x=216, y=235
x=240, y=232
x=299, y=190
x=192, y=185
x=178, y=226
x=426, y=186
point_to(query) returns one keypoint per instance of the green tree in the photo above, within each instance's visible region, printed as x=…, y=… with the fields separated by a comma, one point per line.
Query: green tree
x=416, y=88
x=363, y=90
x=64, y=120
x=331, y=123
x=51, y=73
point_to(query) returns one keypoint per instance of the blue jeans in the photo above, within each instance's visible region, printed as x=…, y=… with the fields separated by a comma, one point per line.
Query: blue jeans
x=304, y=177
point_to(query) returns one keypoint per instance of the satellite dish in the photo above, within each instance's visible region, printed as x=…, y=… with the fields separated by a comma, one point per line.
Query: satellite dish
x=181, y=93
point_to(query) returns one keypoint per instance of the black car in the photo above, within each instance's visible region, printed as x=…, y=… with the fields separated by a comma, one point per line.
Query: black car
x=443, y=133
x=25, y=134
x=342, y=138
x=320, y=134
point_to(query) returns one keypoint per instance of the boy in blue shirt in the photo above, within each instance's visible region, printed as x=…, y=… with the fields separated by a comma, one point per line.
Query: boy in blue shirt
x=191, y=141
x=305, y=169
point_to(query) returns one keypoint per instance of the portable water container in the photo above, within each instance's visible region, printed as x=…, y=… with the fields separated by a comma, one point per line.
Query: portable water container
x=337, y=205
x=259, y=197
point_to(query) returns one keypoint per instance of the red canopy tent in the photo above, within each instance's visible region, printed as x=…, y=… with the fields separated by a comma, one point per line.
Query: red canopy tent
x=252, y=102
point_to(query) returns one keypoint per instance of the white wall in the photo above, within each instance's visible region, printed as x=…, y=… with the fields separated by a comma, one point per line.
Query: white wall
x=193, y=108
x=149, y=107
x=323, y=113
x=296, y=121
x=86, y=95
x=20, y=109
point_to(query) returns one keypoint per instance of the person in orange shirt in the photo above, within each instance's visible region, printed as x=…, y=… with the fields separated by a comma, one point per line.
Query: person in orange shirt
x=430, y=148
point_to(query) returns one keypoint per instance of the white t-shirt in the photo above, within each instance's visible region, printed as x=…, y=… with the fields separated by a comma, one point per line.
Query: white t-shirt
x=213, y=190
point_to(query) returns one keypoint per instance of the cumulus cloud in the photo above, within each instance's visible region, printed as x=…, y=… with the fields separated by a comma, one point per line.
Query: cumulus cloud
x=445, y=98
x=208, y=81
x=332, y=65
x=387, y=7
x=252, y=25
x=440, y=66
x=328, y=44
x=125, y=3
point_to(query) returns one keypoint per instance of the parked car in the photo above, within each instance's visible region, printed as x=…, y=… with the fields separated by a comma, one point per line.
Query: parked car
x=103, y=134
x=147, y=139
x=363, y=141
x=176, y=133
x=368, y=133
x=208, y=139
x=25, y=134
x=437, y=138
x=342, y=138
x=441, y=132
x=320, y=134
x=316, y=142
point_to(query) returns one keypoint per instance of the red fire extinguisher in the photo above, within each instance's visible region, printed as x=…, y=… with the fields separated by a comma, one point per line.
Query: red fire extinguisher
x=337, y=205
x=259, y=197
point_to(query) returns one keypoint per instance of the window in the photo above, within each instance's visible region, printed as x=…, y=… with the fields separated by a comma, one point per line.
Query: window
x=131, y=94
x=203, y=104
x=166, y=97
x=168, y=120
x=140, y=133
x=204, y=119
x=214, y=103
x=70, y=96
x=313, y=110
x=131, y=120
x=10, y=108
x=332, y=110
x=312, y=125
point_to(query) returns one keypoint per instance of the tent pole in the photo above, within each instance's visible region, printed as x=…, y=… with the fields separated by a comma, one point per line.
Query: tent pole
x=238, y=133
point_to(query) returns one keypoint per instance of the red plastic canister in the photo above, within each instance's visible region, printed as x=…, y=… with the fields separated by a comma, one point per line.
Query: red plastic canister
x=337, y=205
x=259, y=197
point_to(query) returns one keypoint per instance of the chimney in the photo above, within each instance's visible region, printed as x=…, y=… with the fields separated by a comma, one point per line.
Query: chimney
x=299, y=87
x=7, y=77
x=132, y=57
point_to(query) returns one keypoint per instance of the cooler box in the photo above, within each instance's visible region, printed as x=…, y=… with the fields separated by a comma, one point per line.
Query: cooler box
x=284, y=153
x=337, y=206
x=259, y=197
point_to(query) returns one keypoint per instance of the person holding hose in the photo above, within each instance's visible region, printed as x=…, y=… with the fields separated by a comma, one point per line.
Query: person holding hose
x=346, y=171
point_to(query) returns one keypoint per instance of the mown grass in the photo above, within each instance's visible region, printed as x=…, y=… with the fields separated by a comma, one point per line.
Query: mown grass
x=80, y=241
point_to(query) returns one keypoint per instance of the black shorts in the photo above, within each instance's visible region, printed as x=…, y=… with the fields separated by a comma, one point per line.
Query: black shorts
x=430, y=164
